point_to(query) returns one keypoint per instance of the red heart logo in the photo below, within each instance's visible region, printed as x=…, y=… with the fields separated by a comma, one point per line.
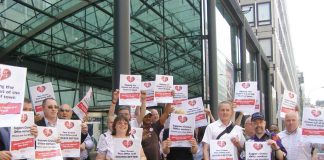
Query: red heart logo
x=6, y=73
x=147, y=84
x=316, y=113
x=127, y=143
x=192, y=102
x=24, y=118
x=69, y=125
x=182, y=119
x=221, y=143
x=164, y=78
x=245, y=85
x=47, y=132
x=130, y=79
x=257, y=146
x=291, y=95
x=41, y=88
x=178, y=88
x=132, y=132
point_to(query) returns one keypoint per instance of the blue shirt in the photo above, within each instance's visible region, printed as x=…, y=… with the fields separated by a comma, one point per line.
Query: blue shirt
x=267, y=135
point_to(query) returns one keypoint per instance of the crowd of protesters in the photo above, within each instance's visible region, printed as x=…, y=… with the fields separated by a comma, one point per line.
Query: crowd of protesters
x=155, y=141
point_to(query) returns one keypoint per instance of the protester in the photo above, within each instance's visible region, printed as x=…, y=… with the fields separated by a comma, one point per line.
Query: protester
x=178, y=153
x=263, y=135
x=120, y=129
x=292, y=139
x=224, y=128
x=151, y=131
x=125, y=110
x=248, y=128
x=66, y=112
x=199, y=134
x=50, y=109
x=5, y=134
x=155, y=115
x=105, y=138
x=274, y=128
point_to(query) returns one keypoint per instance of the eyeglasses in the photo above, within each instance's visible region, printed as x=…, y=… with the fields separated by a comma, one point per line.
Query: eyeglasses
x=65, y=110
x=53, y=107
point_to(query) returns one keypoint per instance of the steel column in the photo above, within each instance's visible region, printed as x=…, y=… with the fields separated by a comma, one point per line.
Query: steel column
x=121, y=39
x=212, y=53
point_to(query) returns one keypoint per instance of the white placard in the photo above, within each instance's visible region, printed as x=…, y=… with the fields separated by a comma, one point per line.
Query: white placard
x=181, y=129
x=70, y=135
x=180, y=94
x=81, y=109
x=313, y=125
x=130, y=89
x=39, y=93
x=288, y=103
x=126, y=149
x=245, y=97
x=46, y=145
x=257, y=151
x=137, y=133
x=221, y=149
x=163, y=89
x=12, y=92
x=195, y=107
x=148, y=86
x=22, y=142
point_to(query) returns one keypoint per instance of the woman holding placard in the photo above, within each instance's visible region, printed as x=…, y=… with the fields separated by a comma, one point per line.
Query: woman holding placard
x=120, y=130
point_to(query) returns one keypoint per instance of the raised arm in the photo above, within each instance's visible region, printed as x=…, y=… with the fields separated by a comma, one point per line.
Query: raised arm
x=143, y=108
x=208, y=112
x=167, y=110
x=115, y=96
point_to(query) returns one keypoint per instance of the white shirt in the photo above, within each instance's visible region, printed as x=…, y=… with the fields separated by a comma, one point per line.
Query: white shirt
x=217, y=127
x=105, y=144
x=295, y=146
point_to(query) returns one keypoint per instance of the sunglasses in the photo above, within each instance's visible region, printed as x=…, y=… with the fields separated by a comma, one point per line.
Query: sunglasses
x=53, y=107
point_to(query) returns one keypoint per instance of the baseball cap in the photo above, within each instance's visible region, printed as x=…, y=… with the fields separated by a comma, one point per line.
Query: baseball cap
x=256, y=116
x=148, y=113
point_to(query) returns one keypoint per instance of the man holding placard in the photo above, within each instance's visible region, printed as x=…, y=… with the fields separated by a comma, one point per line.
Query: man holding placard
x=5, y=134
x=50, y=109
x=292, y=139
x=223, y=129
x=278, y=152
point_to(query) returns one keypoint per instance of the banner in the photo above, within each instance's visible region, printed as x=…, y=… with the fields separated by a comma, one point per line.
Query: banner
x=46, y=145
x=126, y=149
x=180, y=94
x=81, y=109
x=70, y=135
x=163, y=89
x=39, y=93
x=221, y=149
x=195, y=107
x=313, y=125
x=12, y=92
x=148, y=86
x=181, y=129
x=130, y=90
x=22, y=142
x=257, y=151
x=245, y=97
x=288, y=103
